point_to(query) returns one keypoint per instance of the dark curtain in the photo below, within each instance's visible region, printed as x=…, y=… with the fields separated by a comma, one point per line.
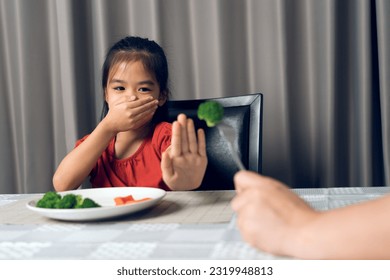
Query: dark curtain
x=322, y=65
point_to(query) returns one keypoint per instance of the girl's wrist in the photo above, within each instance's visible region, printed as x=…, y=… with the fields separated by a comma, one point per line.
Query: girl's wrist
x=107, y=127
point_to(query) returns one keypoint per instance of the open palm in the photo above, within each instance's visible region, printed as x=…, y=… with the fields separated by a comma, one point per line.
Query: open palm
x=184, y=163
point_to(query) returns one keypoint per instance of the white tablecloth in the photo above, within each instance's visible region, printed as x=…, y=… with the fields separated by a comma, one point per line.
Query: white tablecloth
x=128, y=240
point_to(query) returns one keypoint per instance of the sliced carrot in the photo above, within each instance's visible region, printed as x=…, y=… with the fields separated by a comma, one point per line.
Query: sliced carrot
x=128, y=198
x=121, y=200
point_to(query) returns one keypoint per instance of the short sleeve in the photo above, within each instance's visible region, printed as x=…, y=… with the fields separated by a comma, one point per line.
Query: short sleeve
x=78, y=142
x=162, y=136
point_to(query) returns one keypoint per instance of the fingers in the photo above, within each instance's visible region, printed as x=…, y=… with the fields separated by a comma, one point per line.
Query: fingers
x=244, y=180
x=145, y=106
x=176, y=145
x=185, y=139
x=182, y=119
x=243, y=187
x=192, y=142
x=166, y=164
x=248, y=184
x=131, y=111
x=241, y=200
x=137, y=106
x=201, y=142
x=134, y=102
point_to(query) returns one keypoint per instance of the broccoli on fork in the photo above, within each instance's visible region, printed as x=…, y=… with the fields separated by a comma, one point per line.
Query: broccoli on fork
x=211, y=112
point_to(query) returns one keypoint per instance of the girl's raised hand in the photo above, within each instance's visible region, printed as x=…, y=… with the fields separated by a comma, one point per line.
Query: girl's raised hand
x=127, y=112
x=184, y=163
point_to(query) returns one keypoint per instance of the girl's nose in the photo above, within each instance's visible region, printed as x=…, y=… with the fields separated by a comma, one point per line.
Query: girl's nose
x=133, y=96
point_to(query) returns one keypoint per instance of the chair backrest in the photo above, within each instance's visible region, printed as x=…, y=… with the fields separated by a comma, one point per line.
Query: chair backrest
x=244, y=114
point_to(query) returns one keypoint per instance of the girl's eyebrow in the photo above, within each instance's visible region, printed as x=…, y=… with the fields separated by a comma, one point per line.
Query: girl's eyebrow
x=146, y=82
x=117, y=81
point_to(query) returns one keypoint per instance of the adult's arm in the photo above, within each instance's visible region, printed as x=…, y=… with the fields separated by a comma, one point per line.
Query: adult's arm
x=274, y=219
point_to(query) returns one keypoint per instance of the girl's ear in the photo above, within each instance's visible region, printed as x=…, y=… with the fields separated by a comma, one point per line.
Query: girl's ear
x=162, y=98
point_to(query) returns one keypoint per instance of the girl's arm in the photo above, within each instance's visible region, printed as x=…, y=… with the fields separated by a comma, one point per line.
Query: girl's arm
x=126, y=112
x=77, y=165
x=274, y=219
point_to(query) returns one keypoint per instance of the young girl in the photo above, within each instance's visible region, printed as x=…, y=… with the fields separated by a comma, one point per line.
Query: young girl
x=130, y=147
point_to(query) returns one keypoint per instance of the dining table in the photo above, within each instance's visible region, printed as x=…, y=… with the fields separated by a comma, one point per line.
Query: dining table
x=197, y=225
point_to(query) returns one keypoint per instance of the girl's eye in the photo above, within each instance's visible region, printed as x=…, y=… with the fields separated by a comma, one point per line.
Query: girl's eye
x=119, y=88
x=144, y=89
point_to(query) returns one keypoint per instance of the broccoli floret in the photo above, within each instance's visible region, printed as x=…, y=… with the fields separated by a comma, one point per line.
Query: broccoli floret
x=49, y=200
x=88, y=203
x=67, y=202
x=211, y=112
x=79, y=201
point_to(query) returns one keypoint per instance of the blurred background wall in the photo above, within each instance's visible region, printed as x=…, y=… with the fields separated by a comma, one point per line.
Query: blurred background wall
x=322, y=65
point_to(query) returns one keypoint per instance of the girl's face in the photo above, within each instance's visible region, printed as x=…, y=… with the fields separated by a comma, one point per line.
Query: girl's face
x=132, y=79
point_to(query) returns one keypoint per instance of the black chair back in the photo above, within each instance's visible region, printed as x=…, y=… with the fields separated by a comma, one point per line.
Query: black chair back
x=244, y=114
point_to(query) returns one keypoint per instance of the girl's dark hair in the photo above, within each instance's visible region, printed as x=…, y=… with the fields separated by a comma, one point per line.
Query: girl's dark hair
x=138, y=49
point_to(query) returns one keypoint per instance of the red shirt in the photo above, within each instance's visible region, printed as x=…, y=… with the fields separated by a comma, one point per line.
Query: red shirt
x=142, y=169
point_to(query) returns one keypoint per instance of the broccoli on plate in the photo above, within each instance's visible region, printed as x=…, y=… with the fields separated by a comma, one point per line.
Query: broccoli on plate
x=88, y=203
x=211, y=112
x=69, y=201
x=49, y=200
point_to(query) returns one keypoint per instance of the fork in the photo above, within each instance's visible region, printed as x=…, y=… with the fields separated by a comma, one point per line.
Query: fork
x=227, y=132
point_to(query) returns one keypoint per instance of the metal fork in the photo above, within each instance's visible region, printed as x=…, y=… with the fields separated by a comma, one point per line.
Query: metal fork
x=227, y=132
